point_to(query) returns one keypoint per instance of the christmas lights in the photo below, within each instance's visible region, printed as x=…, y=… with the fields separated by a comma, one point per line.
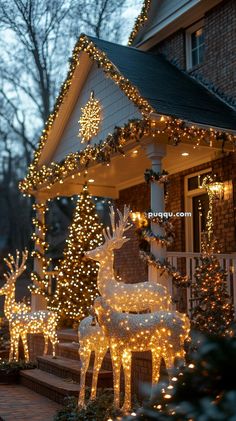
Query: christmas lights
x=175, y=129
x=136, y=297
x=153, y=176
x=90, y=119
x=140, y=21
x=163, y=333
x=77, y=275
x=91, y=339
x=21, y=320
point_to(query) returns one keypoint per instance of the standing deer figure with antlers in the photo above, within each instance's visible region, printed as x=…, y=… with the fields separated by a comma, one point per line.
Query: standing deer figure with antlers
x=124, y=297
x=21, y=320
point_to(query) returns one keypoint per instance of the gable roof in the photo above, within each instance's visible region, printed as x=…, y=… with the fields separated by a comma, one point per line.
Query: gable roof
x=167, y=89
x=154, y=86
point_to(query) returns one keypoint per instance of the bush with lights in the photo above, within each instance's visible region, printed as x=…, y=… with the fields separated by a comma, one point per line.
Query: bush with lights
x=77, y=279
x=212, y=311
x=204, y=390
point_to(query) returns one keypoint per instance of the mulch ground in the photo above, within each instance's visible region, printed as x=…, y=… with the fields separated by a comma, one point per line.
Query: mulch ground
x=22, y=404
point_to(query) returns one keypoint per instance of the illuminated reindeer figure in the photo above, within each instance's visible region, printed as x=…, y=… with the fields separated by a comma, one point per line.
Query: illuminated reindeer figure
x=91, y=338
x=163, y=333
x=124, y=297
x=21, y=320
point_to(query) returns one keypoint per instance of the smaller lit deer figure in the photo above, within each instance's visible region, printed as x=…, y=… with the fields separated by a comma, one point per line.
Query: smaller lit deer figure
x=124, y=297
x=91, y=338
x=163, y=333
x=21, y=320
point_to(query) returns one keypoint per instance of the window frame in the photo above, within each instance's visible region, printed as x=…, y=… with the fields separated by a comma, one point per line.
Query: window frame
x=188, y=41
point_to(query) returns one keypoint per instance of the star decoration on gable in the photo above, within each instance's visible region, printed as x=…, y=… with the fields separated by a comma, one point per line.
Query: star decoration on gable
x=90, y=119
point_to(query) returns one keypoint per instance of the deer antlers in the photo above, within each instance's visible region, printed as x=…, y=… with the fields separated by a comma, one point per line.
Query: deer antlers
x=14, y=266
x=118, y=229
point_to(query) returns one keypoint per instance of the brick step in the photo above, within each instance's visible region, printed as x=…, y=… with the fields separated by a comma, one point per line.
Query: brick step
x=67, y=335
x=70, y=369
x=70, y=350
x=49, y=385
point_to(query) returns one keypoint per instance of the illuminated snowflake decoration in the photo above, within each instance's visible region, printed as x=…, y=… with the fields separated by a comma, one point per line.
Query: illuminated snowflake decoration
x=90, y=119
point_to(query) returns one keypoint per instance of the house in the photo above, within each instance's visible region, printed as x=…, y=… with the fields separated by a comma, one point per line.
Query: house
x=166, y=101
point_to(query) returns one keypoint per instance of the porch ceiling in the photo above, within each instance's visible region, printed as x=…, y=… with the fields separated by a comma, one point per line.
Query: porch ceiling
x=126, y=171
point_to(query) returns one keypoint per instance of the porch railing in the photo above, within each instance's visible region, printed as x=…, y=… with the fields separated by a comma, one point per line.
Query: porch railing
x=186, y=264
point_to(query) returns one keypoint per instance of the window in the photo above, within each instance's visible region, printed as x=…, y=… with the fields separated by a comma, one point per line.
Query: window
x=195, y=45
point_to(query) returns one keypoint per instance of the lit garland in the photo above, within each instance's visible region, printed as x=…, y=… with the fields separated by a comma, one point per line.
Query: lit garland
x=102, y=152
x=175, y=129
x=77, y=275
x=209, y=225
x=40, y=281
x=90, y=119
x=178, y=279
x=152, y=176
x=21, y=320
x=148, y=235
x=140, y=21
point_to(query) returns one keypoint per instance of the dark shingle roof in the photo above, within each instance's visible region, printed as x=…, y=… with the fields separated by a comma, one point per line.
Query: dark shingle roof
x=168, y=90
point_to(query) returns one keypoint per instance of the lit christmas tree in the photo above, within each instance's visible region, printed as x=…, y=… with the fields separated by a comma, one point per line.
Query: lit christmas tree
x=213, y=311
x=77, y=279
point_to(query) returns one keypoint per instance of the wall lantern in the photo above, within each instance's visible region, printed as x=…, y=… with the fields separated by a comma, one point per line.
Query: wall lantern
x=214, y=188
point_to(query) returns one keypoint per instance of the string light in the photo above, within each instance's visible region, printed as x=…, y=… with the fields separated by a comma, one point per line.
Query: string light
x=175, y=129
x=22, y=320
x=140, y=21
x=162, y=332
x=122, y=296
x=90, y=119
x=76, y=280
x=91, y=339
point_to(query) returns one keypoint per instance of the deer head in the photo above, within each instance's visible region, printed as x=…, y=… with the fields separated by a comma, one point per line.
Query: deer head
x=114, y=237
x=15, y=270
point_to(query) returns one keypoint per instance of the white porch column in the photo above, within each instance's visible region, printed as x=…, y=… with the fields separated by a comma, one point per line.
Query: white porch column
x=38, y=302
x=155, y=152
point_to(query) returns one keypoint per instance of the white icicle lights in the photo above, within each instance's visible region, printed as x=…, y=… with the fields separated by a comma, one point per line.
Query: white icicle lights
x=124, y=297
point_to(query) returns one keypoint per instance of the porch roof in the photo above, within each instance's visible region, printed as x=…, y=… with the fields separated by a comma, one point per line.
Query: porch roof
x=167, y=89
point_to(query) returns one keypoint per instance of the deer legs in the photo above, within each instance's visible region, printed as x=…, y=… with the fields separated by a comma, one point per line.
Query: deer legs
x=99, y=355
x=126, y=362
x=116, y=366
x=84, y=358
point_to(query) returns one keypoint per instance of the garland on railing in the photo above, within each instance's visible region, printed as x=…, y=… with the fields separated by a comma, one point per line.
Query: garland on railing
x=178, y=279
x=148, y=235
x=152, y=176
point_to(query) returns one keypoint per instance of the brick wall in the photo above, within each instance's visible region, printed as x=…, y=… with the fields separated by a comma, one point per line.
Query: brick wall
x=138, y=197
x=218, y=68
x=127, y=263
